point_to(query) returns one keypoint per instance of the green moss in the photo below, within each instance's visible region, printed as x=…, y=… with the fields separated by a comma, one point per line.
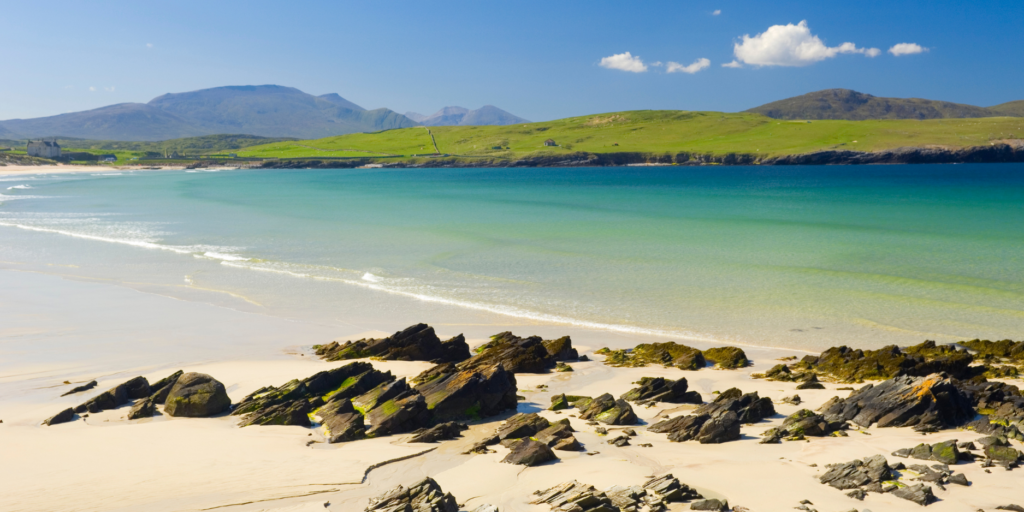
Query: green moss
x=727, y=357
x=389, y=407
x=344, y=385
x=473, y=412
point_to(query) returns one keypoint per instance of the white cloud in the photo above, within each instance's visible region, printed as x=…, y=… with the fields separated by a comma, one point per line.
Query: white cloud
x=791, y=45
x=733, y=64
x=656, y=63
x=907, y=49
x=149, y=45
x=716, y=12
x=92, y=89
x=624, y=62
x=699, y=64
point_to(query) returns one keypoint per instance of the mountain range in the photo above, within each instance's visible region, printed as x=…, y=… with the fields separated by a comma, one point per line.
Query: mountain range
x=856, y=106
x=488, y=115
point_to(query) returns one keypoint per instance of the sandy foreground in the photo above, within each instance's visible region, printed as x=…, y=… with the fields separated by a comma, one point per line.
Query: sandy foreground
x=52, y=330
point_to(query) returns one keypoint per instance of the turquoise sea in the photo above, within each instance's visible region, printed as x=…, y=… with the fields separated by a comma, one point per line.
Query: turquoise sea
x=802, y=257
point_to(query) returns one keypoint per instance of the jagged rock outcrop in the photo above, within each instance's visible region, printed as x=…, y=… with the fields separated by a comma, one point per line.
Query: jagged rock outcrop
x=844, y=364
x=527, y=452
x=61, y=417
x=161, y=388
x=1001, y=406
x=874, y=474
x=666, y=354
x=116, y=396
x=197, y=395
x=803, y=423
x=606, y=409
x=559, y=436
x=414, y=343
x=423, y=496
x=521, y=355
x=472, y=393
x=292, y=402
x=439, y=432
x=656, y=493
x=922, y=402
x=749, y=407
x=920, y=493
x=142, y=408
x=718, y=421
x=711, y=504
x=659, y=389
x=79, y=389
x=341, y=421
x=405, y=413
x=522, y=425
x=945, y=452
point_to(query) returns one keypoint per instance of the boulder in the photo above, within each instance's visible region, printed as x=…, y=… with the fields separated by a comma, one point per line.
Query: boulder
x=920, y=493
x=423, y=496
x=903, y=402
x=1014, y=508
x=521, y=355
x=574, y=496
x=559, y=402
x=727, y=357
x=161, y=388
x=197, y=395
x=811, y=382
x=720, y=429
x=945, y=452
x=341, y=422
x=666, y=354
x=380, y=394
x=79, y=389
x=806, y=423
x=115, y=396
x=61, y=417
x=293, y=412
x=665, y=489
x=137, y=388
x=414, y=343
x=470, y=394
x=527, y=452
x=959, y=479
x=439, y=432
x=144, y=408
x=619, y=441
x=658, y=389
x=749, y=407
x=522, y=425
x=404, y=413
x=712, y=504
x=858, y=473
x=568, y=444
x=606, y=409
x=848, y=365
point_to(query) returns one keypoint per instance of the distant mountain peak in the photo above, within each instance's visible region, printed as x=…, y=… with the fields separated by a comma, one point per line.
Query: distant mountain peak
x=488, y=115
x=336, y=99
x=857, y=106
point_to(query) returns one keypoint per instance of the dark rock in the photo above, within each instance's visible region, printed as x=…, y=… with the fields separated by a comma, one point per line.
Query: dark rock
x=667, y=489
x=749, y=407
x=921, y=452
x=903, y=402
x=666, y=354
x=959, y=479
x=576, y=497
x=857, y=473
x=619, y=441
x=559, y=402
x=79, y=389
x=792, y=400
x=1014, y=508
x=1002, y=453
x=806, y=422
x=289, y=403
x=811, y=382
x=727, y=357
x=415, y=343
x=423, y=496
x=681, y=428
x=857, y=494
x=848, y=365
x=555, y=432
x=522, y=425
x=606, y=409
x=61, y=417
x=137, y=388
x=945, y=452
x=528, y=452
x=143, y=408
x=902, y=452
x=720, y=429
x=403, y=413
x=568, y=444
x=341, y=422
x=562, y=367
x=658, y=389
x=521, y=355
x=561, y=349
x=197, y=395
x=161, y=388
x=629, y=432
x=110, y=399
x=381, y=394
x=440, y=432
x=710, y=505
x=470, y=394
x=920, y=493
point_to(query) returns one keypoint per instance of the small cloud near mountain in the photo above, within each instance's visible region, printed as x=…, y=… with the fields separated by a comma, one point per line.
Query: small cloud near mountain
x=907, y=49
x=791, y=45
x=699, y=64
x=624, y=62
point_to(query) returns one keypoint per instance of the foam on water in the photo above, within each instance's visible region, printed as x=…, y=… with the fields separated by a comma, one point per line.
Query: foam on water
x=16, y=187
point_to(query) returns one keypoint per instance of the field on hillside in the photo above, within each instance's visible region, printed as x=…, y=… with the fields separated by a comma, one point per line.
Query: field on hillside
x=657, y=132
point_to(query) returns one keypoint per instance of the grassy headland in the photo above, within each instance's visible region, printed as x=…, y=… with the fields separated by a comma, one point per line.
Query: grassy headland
x=655, y=133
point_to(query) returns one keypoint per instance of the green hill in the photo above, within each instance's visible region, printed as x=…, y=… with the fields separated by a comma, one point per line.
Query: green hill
x=852, y=105
x=1013, y=108
x=655, y=132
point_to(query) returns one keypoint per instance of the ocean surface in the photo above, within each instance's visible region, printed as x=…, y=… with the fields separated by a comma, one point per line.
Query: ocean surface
x=800, y=257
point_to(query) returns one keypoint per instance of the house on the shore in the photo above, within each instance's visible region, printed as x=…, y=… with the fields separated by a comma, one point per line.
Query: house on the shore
x=44, y=149
x=108, y=158
x=550, y=142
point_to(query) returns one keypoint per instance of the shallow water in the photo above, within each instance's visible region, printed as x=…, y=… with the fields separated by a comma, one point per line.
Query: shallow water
x=802, y=257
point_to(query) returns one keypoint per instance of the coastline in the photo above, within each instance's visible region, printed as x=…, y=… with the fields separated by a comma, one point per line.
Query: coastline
x=114, y=333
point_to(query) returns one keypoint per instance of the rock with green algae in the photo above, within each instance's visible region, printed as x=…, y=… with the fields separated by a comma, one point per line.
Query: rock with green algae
x=470, y=394
x=659, y=389
x=559, y=402
x=527, y=452
x=727, y=357
x=521, y=355
x=562, y=367
x=415, y=343
x=606, y=409
x=522, y=425
x=668, y=353
x=197, y=395
x=380, y=394
x=932, y=401
x=162, y=387
x=341, y=422
x=404, y=413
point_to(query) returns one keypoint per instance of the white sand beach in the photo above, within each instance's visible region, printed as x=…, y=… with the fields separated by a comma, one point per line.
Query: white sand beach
x=55, y=330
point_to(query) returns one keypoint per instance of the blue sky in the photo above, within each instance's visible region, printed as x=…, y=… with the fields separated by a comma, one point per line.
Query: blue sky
x=539, y=60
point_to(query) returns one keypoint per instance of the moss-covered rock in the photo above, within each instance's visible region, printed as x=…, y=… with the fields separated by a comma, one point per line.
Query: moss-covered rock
x=466, y=394
x=658, y=389
x=414, y=343
x=727, y=357
x=606, y=409
x=521, y=355
x=197, y=395
x=558, y=403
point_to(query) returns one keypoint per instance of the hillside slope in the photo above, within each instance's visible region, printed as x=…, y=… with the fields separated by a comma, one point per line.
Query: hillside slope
x=1013, y=108
x=264, y=110
x=852, y=105
x=488, y=115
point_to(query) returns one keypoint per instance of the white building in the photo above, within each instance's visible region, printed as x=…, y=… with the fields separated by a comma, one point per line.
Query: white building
x=44, y=149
